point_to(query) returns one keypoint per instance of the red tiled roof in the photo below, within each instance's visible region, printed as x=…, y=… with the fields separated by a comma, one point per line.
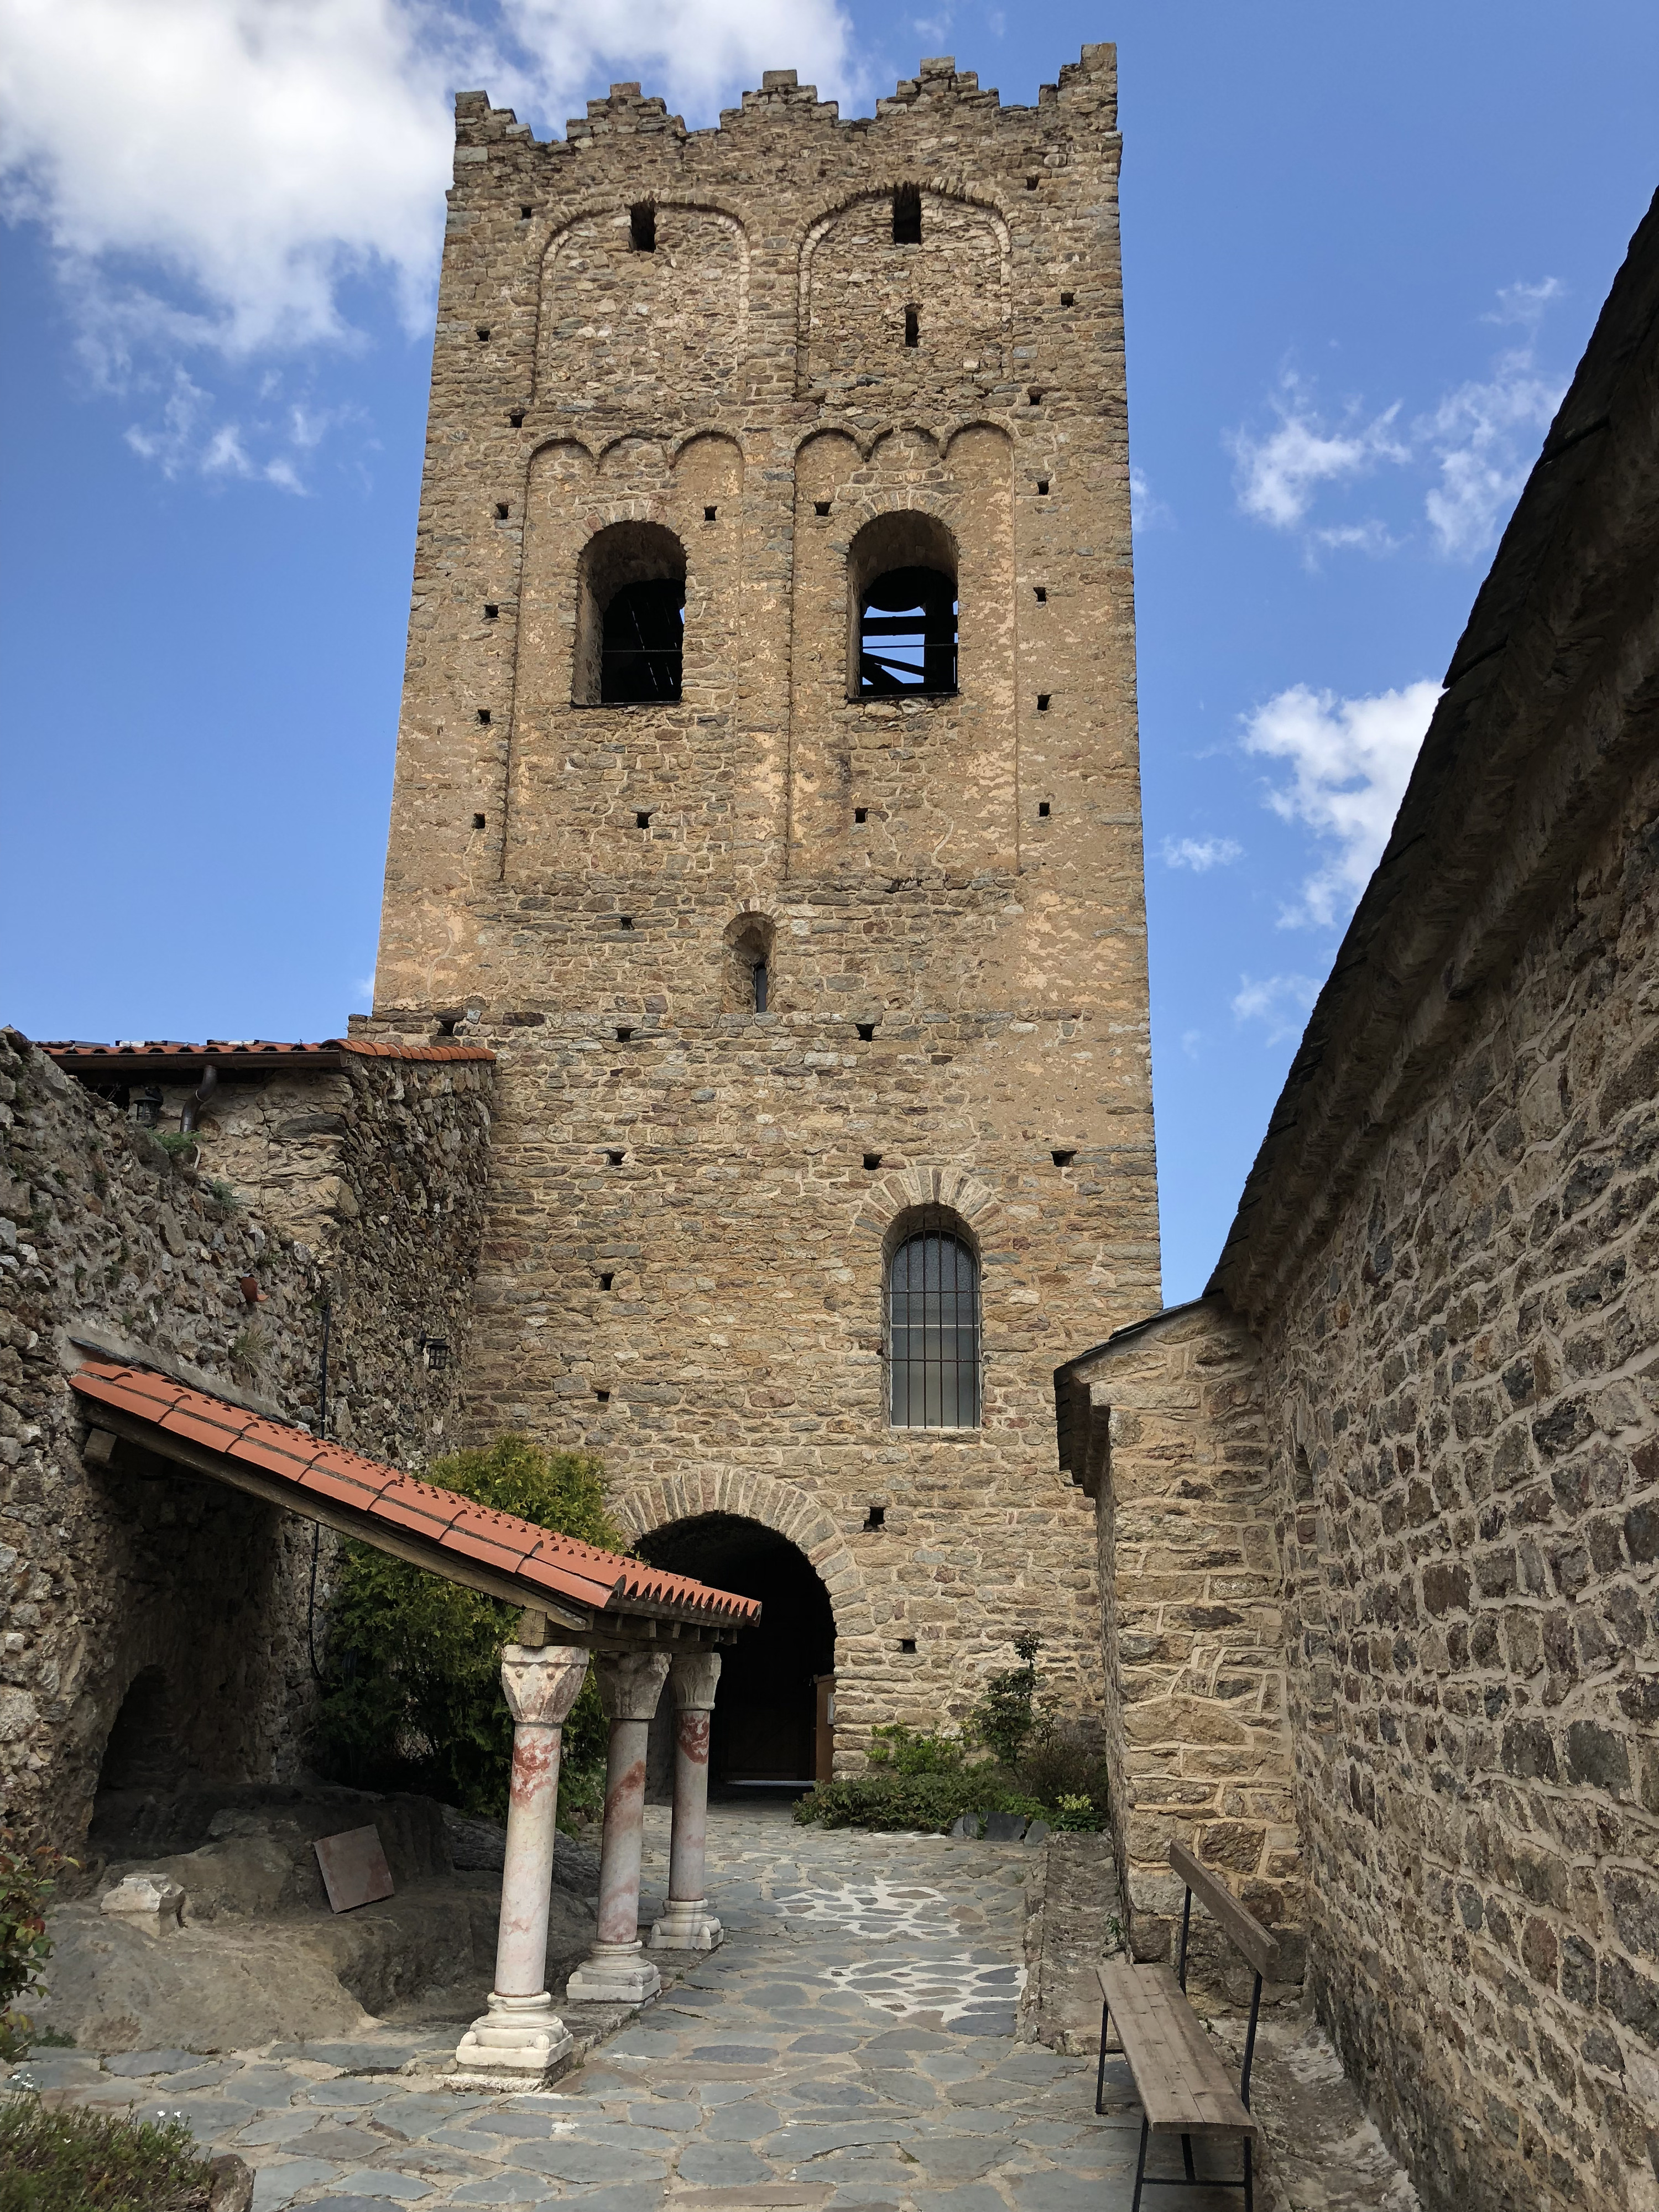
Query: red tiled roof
x=137, y=1056
x=449, y=1528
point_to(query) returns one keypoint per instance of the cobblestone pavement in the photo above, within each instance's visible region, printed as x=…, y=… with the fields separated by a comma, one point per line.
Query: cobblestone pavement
x=850, y=2046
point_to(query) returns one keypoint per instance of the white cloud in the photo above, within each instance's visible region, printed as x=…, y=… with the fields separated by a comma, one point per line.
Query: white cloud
x=1349, y=761
x=1278, y=475
x=210, y=173
x=1525, y=303
x=1283, y=1003
x=1485, y=438
x=1368, y=537
x=1200, y=855
x=1145, y=508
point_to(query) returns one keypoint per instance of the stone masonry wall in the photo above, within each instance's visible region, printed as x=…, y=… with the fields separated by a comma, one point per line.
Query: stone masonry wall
x=1167, y=1434
x=108, y=1571
x=692, y=1201
x=1464, y=1382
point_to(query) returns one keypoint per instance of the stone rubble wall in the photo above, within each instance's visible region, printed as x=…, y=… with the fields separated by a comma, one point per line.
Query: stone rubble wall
x=1465, y=1386
x=1192, y=1584
x=107, y=1571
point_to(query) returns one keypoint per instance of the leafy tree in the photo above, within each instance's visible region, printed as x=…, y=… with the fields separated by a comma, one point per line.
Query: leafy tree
x=1006, y=1714
x=27, y=1880
x=413, y=1697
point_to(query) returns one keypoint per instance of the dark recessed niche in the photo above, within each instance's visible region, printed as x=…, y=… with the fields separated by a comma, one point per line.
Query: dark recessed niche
x=1067, y=298
x=624, y=1036
x=642, y=228
x=1043, y=810
x=435, y=1351
x=603, y=1397
x=709, y=514
x=501, y=510
x=483, y=334
x=866, y=1030
x=1063, y=1159
x=490, y=613
x=1042, y=487
x=876, y=1517
x=907, y=215
x=516, y=418
x=1031, y=183
x=1041, y=595
x=642, y=821
x=873, y=1161
x=1034, y=396
x=478, y=822
x=820, y=506
x=625, y=922
x=861, y=814
x=524, y=213
x=616, y=1159
x=448, y=1023
x=483, y=716
x=1042, y=702
x=605, y=1281
x=907, y=1643
x=913, y=326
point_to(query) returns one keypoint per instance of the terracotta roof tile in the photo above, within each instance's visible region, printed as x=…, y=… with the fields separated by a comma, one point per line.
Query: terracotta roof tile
x=439, y=1523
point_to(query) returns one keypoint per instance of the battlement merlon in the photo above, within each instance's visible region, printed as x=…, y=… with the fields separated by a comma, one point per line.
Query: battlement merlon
x=1084, y=98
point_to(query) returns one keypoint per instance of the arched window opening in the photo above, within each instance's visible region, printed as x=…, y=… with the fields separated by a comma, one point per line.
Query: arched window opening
x=932, y=1325
x=748, y=987
x=902, y=575
x=630, y=622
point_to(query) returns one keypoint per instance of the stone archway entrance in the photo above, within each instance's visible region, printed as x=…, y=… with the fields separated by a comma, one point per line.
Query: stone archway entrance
x=765, y=1718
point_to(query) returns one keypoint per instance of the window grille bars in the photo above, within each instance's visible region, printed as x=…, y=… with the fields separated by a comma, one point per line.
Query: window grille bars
x=934, y=1331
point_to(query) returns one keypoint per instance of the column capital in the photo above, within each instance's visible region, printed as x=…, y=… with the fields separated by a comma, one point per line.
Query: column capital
x=629, y=1682
x=694, y=1674
x=543, y=1682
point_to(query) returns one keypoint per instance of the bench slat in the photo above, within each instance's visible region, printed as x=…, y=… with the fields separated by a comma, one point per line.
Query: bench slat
x=1180, y=2074
x=1261, y=1948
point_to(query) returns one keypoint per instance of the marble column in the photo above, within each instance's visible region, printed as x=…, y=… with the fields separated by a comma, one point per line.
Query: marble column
x=617, y=1971
x=520, y=2037
x=687, y=1924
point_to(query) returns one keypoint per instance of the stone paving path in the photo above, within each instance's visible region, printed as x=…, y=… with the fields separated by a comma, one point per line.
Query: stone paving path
x=850, y=2046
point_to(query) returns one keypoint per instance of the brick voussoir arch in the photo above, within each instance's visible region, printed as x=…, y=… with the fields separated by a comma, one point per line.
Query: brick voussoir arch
x=643, y=1506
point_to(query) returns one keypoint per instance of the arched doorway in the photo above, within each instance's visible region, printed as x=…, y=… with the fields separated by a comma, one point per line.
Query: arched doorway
x=766, y=1714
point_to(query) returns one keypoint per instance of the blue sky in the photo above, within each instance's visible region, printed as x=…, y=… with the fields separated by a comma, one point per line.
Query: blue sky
x=1363, y=249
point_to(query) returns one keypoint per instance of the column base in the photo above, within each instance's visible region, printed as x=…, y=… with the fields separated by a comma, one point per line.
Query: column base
x=518, y=2044
x=615, y=1973
x=687, y=1924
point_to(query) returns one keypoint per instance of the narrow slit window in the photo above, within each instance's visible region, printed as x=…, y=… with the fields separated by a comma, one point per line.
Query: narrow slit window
x=932, y=1328
x=913, y=326
x=761, y=983
x=907, y=215
x=642, y=228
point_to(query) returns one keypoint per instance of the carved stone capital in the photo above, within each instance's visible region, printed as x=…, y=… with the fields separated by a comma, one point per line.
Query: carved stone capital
x=694, y=1674
x=543, y=1683
x=630, y=1682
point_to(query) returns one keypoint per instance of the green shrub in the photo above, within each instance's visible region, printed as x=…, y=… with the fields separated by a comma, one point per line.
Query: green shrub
x=911, y=1800
x=27, y=1880
x=72, y=2160
x=413, y=1697
x=1007, y=1713
x=912, y=1751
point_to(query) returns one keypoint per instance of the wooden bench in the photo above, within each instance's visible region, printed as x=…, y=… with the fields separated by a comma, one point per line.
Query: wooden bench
x=1183, y=2085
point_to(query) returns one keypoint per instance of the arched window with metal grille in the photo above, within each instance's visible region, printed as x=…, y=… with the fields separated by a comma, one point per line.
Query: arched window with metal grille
x=933, y=1324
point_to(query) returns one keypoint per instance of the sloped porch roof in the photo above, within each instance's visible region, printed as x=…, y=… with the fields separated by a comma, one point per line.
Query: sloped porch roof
x=579, y=1587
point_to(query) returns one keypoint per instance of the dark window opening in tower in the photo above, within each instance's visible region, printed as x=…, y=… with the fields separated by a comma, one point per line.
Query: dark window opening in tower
x=908, y=632
x=913, y=326
x=907, y=215
x=642, y=228
x=642, y=648
x=933, y=1327
x=758, y=975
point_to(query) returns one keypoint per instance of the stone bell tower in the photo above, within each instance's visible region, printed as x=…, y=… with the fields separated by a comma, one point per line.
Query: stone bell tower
x=766, y=794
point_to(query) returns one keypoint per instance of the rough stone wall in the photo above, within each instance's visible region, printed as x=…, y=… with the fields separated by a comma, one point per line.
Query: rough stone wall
x=381, y=1169
x=1169, y=1439
x=108, y=1571
x=1465, y=1385
x=958, y=875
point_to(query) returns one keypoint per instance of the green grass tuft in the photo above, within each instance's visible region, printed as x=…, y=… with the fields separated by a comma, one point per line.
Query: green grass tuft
x=73, y=2160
